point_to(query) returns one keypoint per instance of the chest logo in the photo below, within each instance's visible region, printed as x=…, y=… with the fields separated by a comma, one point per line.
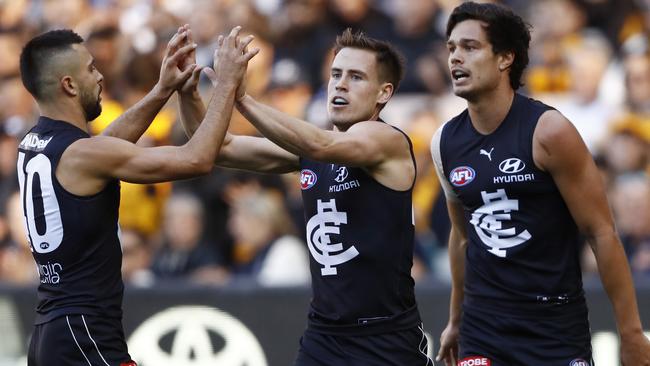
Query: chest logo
x=307, y=179
x=319, y=228
x=462, y=176
x=512, y=166
x=342, y=174
x=488, y=154
x=488, y=222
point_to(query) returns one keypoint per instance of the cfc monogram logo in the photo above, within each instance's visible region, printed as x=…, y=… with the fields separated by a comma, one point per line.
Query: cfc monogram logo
x=319, y=228
x=488, y=222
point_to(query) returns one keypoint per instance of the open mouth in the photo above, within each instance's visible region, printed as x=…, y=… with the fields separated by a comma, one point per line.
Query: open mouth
x=339, y=101
x=459, y=75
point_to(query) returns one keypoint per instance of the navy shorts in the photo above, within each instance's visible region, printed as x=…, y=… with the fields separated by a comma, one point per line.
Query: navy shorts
x=406, y=347
x=503, y=339
x=78, y=340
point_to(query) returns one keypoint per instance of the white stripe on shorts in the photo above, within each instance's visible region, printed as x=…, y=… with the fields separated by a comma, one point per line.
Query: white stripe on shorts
x=91, y=338
x=75, y=340
x=424, y=343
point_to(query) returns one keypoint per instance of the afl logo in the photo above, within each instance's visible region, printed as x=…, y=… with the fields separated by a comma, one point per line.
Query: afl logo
x=307, y=179
x=462, y=176
x=511, y=166
x=579, y=362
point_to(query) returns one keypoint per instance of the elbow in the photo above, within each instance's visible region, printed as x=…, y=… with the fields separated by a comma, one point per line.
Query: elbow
x=200, y=165
x=205, y=166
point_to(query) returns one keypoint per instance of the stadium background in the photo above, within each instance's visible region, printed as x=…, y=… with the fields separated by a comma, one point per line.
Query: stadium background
x=234, y=240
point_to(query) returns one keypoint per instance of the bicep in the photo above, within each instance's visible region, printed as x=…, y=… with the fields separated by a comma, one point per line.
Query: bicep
x=559, y=149
x=364, y=144
x=256, y=154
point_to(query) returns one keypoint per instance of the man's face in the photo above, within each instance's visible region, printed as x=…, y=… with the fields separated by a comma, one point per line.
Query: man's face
x=354, y=88
x=473, y=65
x=89, y=80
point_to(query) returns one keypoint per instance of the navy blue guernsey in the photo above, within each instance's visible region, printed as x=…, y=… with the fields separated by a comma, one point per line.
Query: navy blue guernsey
x=360, y=236
x=523, y=243
x=74, y=239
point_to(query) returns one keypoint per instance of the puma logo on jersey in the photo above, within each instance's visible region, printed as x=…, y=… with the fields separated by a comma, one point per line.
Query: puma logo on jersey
x=488, y=154
x=34, y=143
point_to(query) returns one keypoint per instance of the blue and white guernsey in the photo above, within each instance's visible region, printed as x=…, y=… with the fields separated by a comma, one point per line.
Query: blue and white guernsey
x=360, y=236
x=523, y=244
x=74, y=239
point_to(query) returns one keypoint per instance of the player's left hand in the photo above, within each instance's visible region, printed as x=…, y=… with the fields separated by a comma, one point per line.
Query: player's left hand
x=635, y=350
x=176, y=69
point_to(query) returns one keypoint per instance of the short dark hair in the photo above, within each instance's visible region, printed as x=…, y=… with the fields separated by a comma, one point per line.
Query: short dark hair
x=506, y=31
x=389, y=60
x=37, y=54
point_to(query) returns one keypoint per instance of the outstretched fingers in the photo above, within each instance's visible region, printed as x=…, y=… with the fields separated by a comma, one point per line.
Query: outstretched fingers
x=233, y=37
x=177, y=40
x=181, y=52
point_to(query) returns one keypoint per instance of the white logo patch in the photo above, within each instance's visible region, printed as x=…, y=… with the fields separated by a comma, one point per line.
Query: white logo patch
x=319, y=228
x=342, y=174
x=488, y=222
x=512, y=166
x=488, y=154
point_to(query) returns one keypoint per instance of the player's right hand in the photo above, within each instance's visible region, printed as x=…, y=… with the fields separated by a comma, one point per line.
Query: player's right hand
x=449, y=345
x=231, y=57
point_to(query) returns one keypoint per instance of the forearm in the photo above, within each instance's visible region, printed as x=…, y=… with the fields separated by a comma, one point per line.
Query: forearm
x=135, y=121
x=209, y=136
x=457, y=247
x=192, y=111
x=617, y=280
x=292, y=134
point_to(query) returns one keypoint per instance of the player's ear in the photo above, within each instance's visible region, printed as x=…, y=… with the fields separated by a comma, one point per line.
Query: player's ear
x=505, y=60
x=68, y=85
x=385, y=93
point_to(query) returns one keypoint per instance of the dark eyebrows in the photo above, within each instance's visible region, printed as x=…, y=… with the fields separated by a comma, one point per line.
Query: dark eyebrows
x=465, y=41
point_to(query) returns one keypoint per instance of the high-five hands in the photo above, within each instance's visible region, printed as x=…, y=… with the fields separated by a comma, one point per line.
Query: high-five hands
x=231, y=59
x=190, y=85
x=179, y=62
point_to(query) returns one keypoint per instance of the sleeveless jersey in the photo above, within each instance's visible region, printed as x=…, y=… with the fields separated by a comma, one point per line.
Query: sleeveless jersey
x=523, y=244
x=360, y=236
x=74, y=239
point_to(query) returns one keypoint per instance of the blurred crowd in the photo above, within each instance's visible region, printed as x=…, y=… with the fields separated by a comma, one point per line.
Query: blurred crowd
x=589, y=58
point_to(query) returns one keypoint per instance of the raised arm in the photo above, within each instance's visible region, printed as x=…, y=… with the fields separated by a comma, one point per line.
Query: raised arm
x=559, y=150
x=135, y=121
x=373, y=145
x=457, y=247
x=238, y=152
x=88, y=163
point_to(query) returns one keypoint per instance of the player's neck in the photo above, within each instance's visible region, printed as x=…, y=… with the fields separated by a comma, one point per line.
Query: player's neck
x=488, y=111
x=67, y=112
